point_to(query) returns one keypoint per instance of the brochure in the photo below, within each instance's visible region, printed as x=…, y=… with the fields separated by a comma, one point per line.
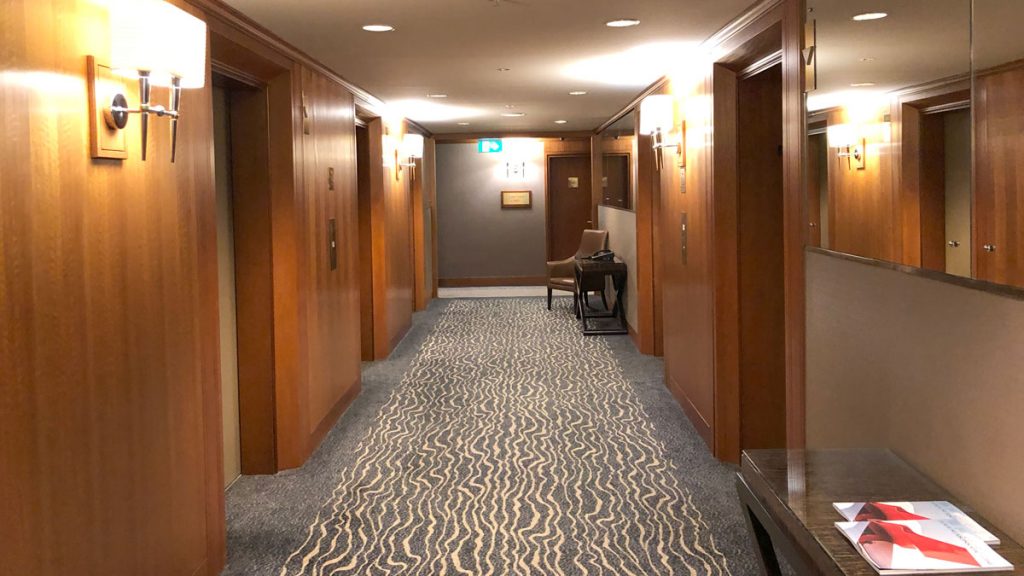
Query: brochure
x=921, y=547
x=898, y=511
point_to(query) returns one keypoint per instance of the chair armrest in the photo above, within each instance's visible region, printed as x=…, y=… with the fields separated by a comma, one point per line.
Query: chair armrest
x=562, y=268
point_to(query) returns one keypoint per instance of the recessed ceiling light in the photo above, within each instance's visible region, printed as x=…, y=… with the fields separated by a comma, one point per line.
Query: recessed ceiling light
x=378, y=28
x=513, y=114
x=437, y=95
x=868, y=59
x=862, y=84
x=510, y=106
x=578, y=93
x=463, y=123
x=504, y=69
x=869, y=16
x=622, y=23
x=561, y=121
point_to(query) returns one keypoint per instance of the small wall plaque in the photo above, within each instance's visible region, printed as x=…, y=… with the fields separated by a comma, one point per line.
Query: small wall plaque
x=516, y=199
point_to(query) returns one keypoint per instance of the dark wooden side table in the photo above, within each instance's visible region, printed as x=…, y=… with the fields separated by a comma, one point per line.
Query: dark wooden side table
x=787, y=498
x=613, y=322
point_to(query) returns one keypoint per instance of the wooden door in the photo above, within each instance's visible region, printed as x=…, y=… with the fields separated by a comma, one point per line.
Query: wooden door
x=760, y=261
x=365, y=242
x=998, y=241
x=569, y=204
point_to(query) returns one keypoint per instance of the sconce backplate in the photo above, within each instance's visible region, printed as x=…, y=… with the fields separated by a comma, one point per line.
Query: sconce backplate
x=106, y=140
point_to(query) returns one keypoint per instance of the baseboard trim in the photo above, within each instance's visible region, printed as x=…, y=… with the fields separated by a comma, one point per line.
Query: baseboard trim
x=487, y=281
x=332, y=417
x=702, y=426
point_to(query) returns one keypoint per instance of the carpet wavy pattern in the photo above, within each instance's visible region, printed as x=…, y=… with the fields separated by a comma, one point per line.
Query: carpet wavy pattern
x=514, y=445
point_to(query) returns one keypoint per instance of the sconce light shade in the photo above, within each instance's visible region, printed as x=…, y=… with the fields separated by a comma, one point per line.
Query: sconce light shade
x=412, y=146
x=154, y=36
x=842, y=136
x=656, y=113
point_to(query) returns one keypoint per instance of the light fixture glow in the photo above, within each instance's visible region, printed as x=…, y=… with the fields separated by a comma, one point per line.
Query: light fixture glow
x=431, y=111
x=561, y=121
x=437, y=96
x=658, y=120
x=862, y=84
x=504, y=69
x=161, y=45
x=869, y=16
x=510, y=106
x=379, y=28
x=463, y=123
x=157, y=37
x=578, y=93
x=412, y=145
x=622, y=23
x=513, y=114
x=636, y=67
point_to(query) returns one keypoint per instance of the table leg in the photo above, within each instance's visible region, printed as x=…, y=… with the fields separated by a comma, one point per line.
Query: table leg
x=762, y=538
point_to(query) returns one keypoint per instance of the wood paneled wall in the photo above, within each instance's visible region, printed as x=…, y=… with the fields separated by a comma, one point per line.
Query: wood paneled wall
x=110, y=412
x=311, y=124
x=391, y=212
x=696, y=288
x=863, y=207
x=329, y=290
x=110, y=418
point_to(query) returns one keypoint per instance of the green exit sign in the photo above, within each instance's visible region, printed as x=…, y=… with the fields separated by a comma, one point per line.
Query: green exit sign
x=489, y=146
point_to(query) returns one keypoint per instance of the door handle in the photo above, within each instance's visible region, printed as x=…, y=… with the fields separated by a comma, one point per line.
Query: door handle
x=954, y=244
x=989, y=247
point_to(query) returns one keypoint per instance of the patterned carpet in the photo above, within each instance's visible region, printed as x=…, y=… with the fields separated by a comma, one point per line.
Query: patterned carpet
x=512, y=445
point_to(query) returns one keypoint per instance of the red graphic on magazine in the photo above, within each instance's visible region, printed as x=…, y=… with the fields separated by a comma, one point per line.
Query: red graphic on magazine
x=879, y=538
x=880, y=511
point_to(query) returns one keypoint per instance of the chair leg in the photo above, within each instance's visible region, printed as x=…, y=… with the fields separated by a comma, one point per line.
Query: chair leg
x=549, y=298
x=604, y=300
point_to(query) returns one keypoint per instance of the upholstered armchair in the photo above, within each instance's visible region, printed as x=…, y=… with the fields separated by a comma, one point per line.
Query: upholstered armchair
x=562, y=273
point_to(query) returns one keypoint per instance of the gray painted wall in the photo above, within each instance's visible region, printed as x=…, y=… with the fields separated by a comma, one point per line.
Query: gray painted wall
x=931, y=370
x=621, y=227
x=475, y=237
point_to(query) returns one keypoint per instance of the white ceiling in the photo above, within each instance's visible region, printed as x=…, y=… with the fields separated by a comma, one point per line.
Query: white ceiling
x=456, y=46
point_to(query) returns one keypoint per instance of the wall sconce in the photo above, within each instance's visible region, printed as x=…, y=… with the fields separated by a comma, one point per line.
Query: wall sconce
x=657, y=120
x=160, y=45
x=852, y=140
x=411, y=148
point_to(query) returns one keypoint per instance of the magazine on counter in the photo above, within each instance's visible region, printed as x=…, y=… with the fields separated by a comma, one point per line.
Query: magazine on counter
x=899, y=511
x=921, y=547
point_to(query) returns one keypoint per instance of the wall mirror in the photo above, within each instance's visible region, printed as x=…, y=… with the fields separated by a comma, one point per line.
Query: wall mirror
x=618, y=152
x=892, y=173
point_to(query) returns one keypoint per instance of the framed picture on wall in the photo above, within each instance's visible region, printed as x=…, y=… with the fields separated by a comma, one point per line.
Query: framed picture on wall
x=516, y=199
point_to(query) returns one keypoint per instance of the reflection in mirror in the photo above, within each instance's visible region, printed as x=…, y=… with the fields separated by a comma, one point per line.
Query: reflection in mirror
x=618, y=145
x=998, y=249
x=889, y=133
